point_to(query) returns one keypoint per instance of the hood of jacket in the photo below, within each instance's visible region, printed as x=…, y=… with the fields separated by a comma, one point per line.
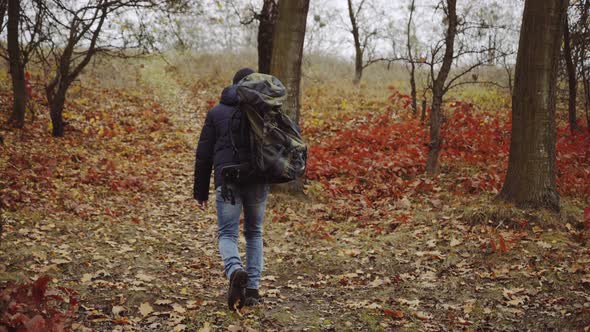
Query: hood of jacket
x=229, y=96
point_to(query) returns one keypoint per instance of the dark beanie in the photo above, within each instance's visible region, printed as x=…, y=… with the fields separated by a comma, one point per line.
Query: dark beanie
x=241, y=74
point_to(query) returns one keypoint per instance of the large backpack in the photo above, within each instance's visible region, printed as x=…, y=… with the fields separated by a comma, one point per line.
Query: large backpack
x=278, y=154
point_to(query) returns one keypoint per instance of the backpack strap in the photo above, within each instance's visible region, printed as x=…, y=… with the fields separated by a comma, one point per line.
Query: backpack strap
x=230, y=132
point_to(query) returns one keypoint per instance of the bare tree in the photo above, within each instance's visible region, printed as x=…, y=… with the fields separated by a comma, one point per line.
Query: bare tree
x=586, y=82
x=457, y=45
x=508, y=68
x=571, y=75
x=17, y=68
x=86, y=23
x=530, y=181
x=364, y=37
x=287, y=51
x=267, y=20
x=411, y=62
x=359, y=46
x=438, y=86
x=29, y=37
x=580, y=45
x=81, y=27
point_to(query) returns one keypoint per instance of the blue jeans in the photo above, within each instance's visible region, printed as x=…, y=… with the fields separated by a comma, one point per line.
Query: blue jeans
x=252, y=198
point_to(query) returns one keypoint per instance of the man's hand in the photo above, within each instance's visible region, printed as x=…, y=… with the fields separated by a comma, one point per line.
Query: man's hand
x=202, y=205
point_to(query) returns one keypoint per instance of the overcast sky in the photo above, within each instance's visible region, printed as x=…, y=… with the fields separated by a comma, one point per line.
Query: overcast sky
x=390, y=18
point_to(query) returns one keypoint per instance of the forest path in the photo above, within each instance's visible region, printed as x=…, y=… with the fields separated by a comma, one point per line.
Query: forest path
x=156, y=268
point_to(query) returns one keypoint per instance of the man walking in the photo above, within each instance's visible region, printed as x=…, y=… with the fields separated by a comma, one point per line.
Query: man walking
x=224, y=142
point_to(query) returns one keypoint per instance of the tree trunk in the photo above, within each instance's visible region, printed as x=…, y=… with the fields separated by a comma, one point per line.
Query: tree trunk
x=268, y=19
x=530, y=181
x=412, y=64
x=17, y=70
x=358, y=51
x=413, y=92
x=57, y=100
x=583, y=47
x=67, y=72
x=438, y=89
x=287, y=56
x=358, y=68
x=287, y=53
x=435, y=144
x=586, y=81
x=423, y=115
x=571, y=74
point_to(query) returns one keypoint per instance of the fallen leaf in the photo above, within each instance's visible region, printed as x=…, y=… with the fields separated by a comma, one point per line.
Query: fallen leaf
x=87, y=277
x=206, y=327
x=117, y=310
x=374, y=306
x=144, y=277
x=455, y=242
x=423, y=315
x=403, y=204
x=376, y=283
x=517, y=301
x=233, y=328
x=509, y=293
x=178, y=308
x=36, y=323
x=350, y=252
x=393, y=313
x=59, y=261
x=145, y=309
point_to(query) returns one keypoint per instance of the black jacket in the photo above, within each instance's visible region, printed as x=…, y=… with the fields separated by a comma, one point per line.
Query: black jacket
x=215, y=149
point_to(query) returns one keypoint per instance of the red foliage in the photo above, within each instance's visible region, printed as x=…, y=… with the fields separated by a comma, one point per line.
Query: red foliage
x=398, y=99
x=573, y=162
x=476, y=145
x=377, y=159
x=381, y=158
x=31, y=307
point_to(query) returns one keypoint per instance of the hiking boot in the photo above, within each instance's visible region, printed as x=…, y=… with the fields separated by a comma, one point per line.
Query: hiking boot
x=236, y=295
x=252, y=297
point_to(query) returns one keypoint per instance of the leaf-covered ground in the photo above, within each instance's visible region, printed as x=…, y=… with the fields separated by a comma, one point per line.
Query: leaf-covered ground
x=375, y=245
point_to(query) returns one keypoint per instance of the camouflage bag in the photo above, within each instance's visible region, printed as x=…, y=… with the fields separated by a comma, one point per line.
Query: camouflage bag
x=278, y=153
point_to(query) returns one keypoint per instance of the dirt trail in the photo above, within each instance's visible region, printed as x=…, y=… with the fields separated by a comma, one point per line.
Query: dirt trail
x=162, y=272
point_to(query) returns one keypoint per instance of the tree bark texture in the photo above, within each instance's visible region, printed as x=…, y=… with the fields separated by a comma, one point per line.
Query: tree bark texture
x=423, y=111
x=530, y=181
x=287, y=54
x=586, y=82
x=584, y=49
x=358, y=50
x=267, y=18
x=17, y=70
x=56, y=107
x=413, y=92
x=571, y=75
x=438, y=89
